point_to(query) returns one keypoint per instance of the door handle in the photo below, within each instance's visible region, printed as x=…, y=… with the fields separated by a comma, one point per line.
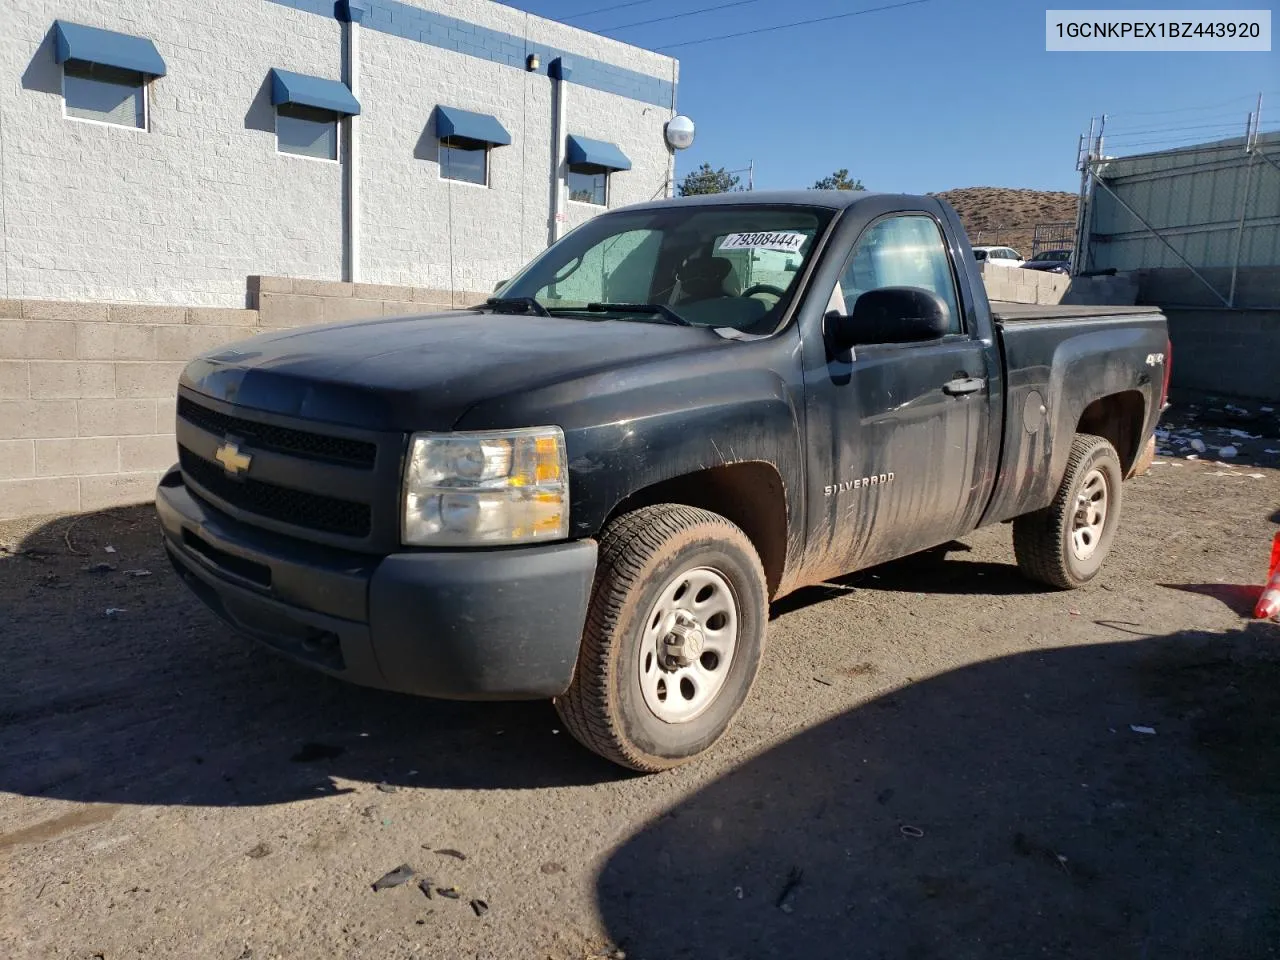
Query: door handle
x=963, y=385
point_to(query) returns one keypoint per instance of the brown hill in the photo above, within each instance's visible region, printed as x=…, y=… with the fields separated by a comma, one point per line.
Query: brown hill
x=1002, y=215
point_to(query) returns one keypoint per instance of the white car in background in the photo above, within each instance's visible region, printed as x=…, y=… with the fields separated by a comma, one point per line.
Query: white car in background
x=999, y=256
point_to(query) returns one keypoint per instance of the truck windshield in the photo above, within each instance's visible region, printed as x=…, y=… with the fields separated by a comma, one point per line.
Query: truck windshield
x=721, y=266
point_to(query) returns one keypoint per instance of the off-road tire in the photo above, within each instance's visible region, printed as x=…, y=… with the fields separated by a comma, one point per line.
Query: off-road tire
x=639, y=553
x=1042, y=540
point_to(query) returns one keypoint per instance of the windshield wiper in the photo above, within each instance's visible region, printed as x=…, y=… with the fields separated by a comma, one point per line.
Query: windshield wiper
x=656, y=309
x=529, y=303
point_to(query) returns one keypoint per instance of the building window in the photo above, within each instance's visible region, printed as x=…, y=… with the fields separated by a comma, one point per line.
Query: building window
x=106, y=94
x=307, y=131
x=589, y=183
x=465, y=159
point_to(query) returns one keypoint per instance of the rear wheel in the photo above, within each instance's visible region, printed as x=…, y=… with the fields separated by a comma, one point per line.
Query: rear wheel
x=1065, y=544
x=673, y=639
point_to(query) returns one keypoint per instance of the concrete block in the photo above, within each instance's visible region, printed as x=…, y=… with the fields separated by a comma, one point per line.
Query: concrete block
x=432, y=295
x=71, y=380
x=382, y=291
x=116, y=341
x=337, y=310
x=75, y=457
x=468, y=298
x=290, y=310
x=260, y=285
x=222, y=316
x=37, y=340
x=166, y=414
x=10, y=309
x=155, y=452
x=17, y=459
x=115, y=418
x=29, y=498
x=145, y=313
x=30, y=419
x=323, y=288
x=184, y=343
x=405, y=308
x=157, y=379
x=15, y=380
x=1024, y=293
x=98, y=493
x=63, y=310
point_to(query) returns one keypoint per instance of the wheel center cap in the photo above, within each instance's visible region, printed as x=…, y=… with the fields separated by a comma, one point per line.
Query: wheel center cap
x=683, y=642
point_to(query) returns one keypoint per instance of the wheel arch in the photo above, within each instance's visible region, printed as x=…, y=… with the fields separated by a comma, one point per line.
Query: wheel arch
x=750, y=494
x=1118, y=418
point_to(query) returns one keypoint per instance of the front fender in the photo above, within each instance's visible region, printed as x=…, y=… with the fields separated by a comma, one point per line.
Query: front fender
x=630, y=429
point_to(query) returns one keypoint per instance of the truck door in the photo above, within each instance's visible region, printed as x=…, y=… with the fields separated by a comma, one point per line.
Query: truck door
x=899, y=428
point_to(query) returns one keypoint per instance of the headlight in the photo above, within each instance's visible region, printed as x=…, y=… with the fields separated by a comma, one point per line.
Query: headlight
x=495, y=486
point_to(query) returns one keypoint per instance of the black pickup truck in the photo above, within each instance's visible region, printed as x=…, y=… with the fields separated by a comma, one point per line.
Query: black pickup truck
x=590, y=487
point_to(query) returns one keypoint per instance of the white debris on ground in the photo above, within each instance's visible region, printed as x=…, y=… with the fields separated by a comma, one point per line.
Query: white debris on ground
x=1213, y=430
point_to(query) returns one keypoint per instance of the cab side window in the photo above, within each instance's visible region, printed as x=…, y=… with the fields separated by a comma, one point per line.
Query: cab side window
x=906, y=251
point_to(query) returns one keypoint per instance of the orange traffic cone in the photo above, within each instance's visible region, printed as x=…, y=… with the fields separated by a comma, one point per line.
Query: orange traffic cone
x=1269, y=603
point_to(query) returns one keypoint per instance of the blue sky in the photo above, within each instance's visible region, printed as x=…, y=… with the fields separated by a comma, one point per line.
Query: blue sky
x=950, y=93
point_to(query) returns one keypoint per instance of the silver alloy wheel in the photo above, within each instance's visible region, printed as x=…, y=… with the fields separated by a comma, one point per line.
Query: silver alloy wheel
x=689, y=640
x=1090, y=515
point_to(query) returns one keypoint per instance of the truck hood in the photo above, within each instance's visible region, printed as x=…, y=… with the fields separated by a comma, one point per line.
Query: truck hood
x=425, y=372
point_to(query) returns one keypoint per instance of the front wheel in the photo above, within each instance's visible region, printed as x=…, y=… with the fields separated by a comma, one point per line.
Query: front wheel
x=673, y=639
x=1064, y=544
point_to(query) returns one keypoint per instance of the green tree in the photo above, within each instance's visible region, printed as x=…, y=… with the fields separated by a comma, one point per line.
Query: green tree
x=705, y=180
x=839, y=181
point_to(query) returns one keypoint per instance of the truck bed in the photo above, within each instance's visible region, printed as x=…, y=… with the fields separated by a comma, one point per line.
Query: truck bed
x=1006, y=311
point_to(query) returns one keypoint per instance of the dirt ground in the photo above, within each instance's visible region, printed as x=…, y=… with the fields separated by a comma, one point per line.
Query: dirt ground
x=939, y=760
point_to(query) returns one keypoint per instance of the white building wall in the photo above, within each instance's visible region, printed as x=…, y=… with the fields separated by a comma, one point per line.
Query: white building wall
x=416, y=228
x=184, y=212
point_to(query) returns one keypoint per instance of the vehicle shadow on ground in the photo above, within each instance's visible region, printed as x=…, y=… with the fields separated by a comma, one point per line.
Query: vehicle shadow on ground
x=158, y=703
x=931, y=571
x=122, y=688
x=1005, y=809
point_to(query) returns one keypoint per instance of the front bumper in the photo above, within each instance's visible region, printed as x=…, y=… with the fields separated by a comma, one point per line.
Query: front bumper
x=461, y=624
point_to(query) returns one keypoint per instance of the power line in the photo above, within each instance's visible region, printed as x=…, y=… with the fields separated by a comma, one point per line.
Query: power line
x=1207, y=106
x=1171, y=143
x=1221, y=125
x=591, y=13
x=795, y=23
x=677, y=16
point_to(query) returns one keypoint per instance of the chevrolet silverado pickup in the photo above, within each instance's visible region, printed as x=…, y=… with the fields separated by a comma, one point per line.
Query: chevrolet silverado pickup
x=590, y=487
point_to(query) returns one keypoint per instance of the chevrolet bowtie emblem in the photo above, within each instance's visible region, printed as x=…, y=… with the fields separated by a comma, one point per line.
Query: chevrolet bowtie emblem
x=232, y=460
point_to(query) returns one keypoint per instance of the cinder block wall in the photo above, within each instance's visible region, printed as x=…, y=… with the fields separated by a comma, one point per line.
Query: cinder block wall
x=87, y=398
x=87, y=390
x=1231, y=352
x=1018, y=285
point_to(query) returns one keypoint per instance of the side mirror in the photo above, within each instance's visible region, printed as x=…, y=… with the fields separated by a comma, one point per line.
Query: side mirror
x=499, y=285
x=891, y=315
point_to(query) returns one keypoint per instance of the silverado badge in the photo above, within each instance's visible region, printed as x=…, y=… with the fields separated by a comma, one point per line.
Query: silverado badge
x=232, y=460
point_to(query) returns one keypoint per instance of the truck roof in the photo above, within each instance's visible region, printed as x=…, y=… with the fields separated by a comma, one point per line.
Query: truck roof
x=832, y=199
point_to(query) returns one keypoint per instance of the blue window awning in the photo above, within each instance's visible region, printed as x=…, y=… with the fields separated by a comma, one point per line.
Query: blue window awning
x=315, y=92
x=75, y=41
x=452, y=122
x=597, y=153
